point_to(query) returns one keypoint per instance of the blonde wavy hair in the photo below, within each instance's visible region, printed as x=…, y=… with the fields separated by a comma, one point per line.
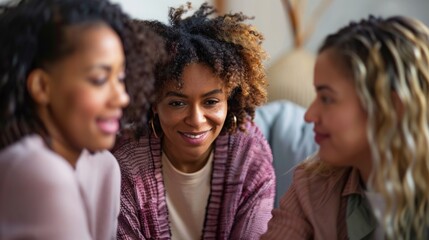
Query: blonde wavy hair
x=389, y=59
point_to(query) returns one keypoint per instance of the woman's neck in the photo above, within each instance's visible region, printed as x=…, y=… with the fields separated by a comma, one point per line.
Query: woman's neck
x=365, y=170
x=186, y=165
x=57, y=141
x=70, y=155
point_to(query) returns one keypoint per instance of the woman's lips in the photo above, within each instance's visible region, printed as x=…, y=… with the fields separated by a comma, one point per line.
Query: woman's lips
x=108, y=126
x=196, y=138
x=320, y=137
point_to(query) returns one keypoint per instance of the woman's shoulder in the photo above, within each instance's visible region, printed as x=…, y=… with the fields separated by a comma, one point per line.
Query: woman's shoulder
x=308, y=172
x=250, y=137
x=319, y=186
x=126, y=142
x=101, y=163
x=30, y=156
x=137, y=157
x=251, y=132
x=246, y=151
x=29, y=164
x=129, y=147
x=39, y=190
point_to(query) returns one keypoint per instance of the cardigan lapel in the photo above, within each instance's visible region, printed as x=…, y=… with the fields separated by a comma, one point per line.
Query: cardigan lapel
x=212, y=228
x=162, y=218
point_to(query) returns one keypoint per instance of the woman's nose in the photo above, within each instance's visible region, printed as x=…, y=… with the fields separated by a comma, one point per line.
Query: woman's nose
x=311, y=113
x=120, y=97
x=195, y=116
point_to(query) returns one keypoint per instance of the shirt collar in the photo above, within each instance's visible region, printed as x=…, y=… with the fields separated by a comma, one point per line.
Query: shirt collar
x=353, y=184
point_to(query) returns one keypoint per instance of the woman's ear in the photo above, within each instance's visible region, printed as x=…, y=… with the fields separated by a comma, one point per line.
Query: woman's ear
x=38, y=85
x=397, y=103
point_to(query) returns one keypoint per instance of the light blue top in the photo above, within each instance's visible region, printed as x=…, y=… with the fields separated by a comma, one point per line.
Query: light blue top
x=291, y=139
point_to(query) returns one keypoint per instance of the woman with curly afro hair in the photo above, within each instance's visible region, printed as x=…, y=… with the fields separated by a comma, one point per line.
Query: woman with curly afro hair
x=63, y=65
x=201, y=168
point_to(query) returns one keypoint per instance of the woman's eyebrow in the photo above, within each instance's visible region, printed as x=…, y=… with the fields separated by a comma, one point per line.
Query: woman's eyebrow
x=178, y=94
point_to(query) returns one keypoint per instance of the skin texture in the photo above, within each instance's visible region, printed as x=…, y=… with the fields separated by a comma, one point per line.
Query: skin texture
x=199, y=108
x=80, y=98
x=340, y=122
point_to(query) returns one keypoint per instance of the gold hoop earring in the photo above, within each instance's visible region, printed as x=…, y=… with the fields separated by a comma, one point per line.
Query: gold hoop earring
x=234, y=122
x=153, y=128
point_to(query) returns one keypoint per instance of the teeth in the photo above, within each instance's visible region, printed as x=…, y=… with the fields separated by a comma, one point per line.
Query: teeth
x=193, y=135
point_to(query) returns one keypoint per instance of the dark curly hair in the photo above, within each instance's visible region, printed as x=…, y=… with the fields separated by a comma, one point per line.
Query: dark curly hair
x=230, y=47
x=33, y=35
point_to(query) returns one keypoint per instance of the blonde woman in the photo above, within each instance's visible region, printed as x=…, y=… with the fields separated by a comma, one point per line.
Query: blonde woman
x=370, y=178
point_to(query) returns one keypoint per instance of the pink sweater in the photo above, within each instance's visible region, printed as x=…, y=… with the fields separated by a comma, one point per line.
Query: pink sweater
x=43, y=197
x=242, y=188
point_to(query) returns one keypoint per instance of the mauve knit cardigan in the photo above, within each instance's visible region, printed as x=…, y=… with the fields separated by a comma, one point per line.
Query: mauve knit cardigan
x=241, y=197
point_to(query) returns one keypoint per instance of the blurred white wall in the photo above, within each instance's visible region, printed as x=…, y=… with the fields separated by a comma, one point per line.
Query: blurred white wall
x=153, y=9
x=270, y=18
x=272, y=21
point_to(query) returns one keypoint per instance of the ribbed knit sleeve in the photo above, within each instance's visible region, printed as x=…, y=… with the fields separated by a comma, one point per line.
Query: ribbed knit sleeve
x=143, y=213
x=243, y=187
x=314, y=207
x=289, y=220
x=257, y=200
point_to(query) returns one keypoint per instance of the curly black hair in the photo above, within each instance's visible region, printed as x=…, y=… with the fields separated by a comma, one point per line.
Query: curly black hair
x=226, y=44
x=33, y=35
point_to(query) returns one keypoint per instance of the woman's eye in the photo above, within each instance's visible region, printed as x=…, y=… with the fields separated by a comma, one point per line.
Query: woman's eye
x=176, y=103
x=98, y=81
x=211, y=102
x=121, y=77
x=326, y=99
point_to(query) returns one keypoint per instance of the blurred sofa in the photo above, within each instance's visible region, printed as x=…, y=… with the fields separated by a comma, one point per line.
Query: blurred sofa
x=290, y=137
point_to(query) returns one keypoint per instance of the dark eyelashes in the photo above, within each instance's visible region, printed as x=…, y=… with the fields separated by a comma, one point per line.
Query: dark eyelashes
x=100, y=81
